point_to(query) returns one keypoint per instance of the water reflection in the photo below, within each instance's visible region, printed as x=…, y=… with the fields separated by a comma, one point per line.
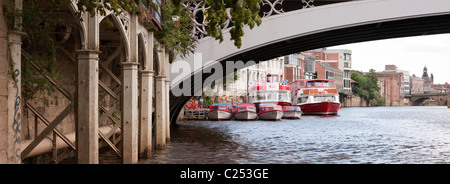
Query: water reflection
x=357, y=135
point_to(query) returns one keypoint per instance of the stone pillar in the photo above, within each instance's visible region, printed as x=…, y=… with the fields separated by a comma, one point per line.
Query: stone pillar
x=167, y=102
x=160, y=124
x=14, y=98
x=145, y=126
x=87, y=107
x=10, y=87
x=130, y=112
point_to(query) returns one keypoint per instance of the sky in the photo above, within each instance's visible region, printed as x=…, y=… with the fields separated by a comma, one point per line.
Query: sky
x=409, y=53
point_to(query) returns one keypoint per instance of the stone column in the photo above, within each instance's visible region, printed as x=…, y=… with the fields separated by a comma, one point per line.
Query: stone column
x=14, y=107
x=87, y=107
x=160, y=124
x=10, y=87
x=167, y=102
x=130, y=112
x=145, y=127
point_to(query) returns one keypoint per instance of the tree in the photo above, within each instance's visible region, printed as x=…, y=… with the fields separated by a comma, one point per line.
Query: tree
x=368, y=88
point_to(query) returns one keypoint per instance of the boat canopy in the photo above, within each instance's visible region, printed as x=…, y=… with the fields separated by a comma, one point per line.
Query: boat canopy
x=291, y=108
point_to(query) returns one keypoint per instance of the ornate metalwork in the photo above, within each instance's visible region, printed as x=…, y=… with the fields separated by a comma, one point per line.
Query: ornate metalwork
x=308, y=3
x=268, y=8
x=274, y=7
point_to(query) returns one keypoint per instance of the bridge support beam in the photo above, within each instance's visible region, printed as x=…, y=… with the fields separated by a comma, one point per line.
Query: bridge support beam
x=167, y=110
x=130, y=113
x=10, y=94
x=160, y=124
x=87, y=119
x=145, y=126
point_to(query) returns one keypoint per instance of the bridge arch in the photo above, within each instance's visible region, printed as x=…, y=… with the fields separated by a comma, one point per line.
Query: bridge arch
x=312, y=28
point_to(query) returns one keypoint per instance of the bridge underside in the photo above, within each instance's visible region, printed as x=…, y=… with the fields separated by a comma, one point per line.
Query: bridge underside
x=375, y=31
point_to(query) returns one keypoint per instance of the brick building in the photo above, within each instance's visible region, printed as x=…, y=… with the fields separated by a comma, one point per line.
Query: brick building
x=416, y=84
x=391, y=83
x=326, y=71
x=338, y=58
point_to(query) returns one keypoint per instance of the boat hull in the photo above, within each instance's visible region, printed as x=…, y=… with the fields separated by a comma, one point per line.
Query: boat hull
x=271, y=115
x=321, y=108
x=246, y=115
x=219, y=115
x=292, y=114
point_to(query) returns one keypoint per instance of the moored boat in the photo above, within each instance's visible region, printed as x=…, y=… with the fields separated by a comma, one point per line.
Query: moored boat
x=221, y=111
x=269, y=112
x=245, y=111
x=318, y=96
x=291, y=112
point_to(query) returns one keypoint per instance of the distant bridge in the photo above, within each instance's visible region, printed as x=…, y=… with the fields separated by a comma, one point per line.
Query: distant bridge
x=418, y=99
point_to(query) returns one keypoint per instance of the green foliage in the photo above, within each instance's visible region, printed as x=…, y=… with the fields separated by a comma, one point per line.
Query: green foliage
x=368, y=88
x=243, y=12
x=39, y=27
x=177, y=26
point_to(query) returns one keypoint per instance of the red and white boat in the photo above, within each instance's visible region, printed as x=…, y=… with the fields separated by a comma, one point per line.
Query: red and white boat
x=245, y=111
x=318, y=96
x=291, y=112
x=271, y=92
x=269, y=112
x=270, y=97
x=221, y=111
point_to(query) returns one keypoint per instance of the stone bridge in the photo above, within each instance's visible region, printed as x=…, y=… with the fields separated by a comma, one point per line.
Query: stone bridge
x=440, y=98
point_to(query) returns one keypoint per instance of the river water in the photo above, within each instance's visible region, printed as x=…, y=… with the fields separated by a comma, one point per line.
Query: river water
x=378, y=135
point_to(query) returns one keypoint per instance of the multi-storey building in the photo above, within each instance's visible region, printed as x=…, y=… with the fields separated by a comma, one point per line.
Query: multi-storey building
x=391, y=82
x=428, y=81
x=326, y=71
x=416, y=84
x=292, y=67
x=339, y=58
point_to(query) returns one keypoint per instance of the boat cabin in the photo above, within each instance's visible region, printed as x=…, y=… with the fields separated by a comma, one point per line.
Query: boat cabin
x=221, y=107
x=245, y=107
x=268, y=107
x=291, y=108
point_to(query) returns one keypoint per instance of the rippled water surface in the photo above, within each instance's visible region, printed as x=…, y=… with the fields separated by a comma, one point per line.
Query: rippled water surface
x=357, y=135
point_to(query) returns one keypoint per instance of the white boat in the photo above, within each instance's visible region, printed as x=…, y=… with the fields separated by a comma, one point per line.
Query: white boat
x=291, y=112
x=269, y=112
x=318, y=96
x=245, y=111
x=220, y=112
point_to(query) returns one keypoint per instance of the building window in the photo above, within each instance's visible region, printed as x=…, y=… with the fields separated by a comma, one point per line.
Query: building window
x=347, y=57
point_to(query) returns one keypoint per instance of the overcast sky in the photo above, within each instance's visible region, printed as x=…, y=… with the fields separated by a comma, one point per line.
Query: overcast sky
x=410, y=54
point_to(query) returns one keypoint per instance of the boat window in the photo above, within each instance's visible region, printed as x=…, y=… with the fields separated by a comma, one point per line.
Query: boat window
x=251, y=109
x=302, y=84
x=325, y=98
x=283, y=96
x=272, y=96
x=319, y=84
x=223, y=107
x=214, y=108
x=326, y=84
x=311, y=84
x=269, y=108
x=241, y=109
x=303, y=100
x=278, y=108
x=260, y=95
